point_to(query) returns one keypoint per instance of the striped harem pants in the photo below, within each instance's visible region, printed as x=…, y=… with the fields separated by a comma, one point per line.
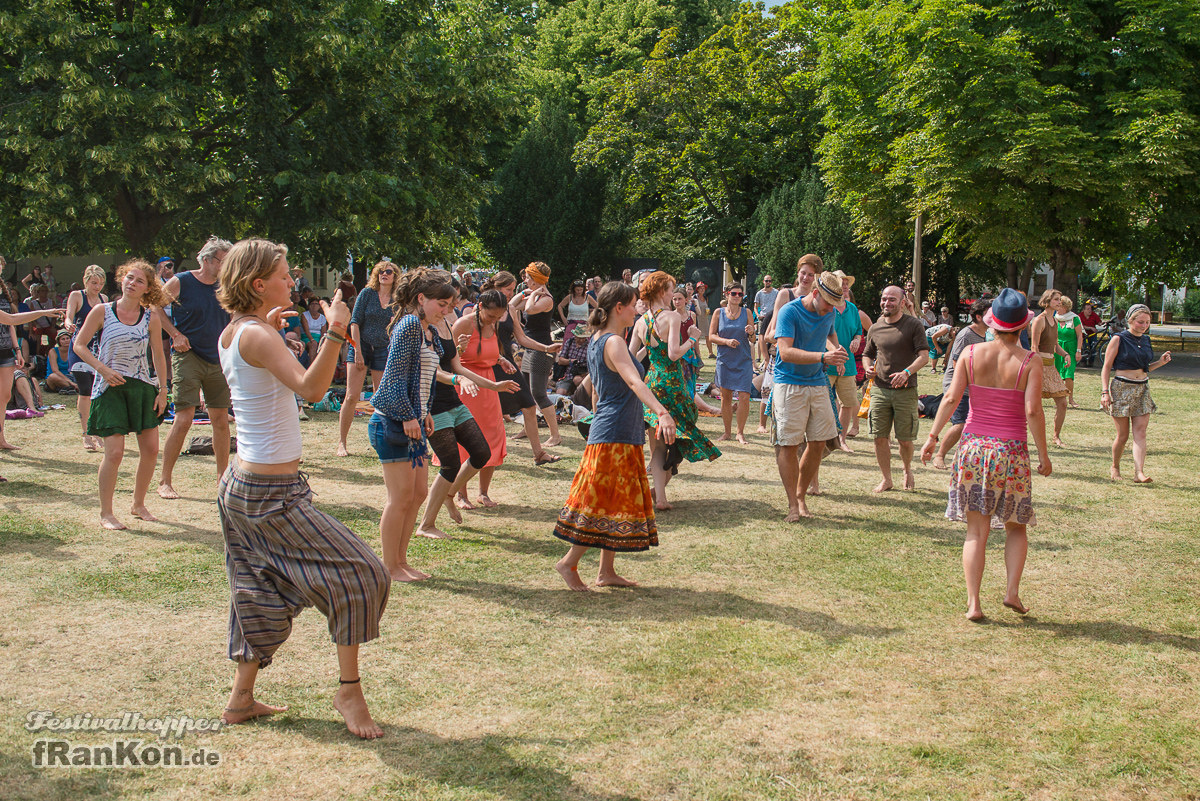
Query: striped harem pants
x=282, y=554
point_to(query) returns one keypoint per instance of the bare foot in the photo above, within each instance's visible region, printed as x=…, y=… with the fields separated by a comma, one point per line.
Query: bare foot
x=1114, y=473
x=975, y=615
x=342, y=450
x=254, y=709
x=795, y=514
x=570, y=574
x=142, y=513
x=814, y=488
x=350, y=702
x=842, y=446
x=663, y=506
x=552, y=442
x=939, y=462
x=463, y=502
x=5, y=446
x=167, y=492
x=487, y=503
x=1142, y=478
x=111, y=523
x=1058, y=441
x=452, y=510
x=613, y=580
x=519, y=435
x=761, y=430
x=724, y=437
x=1072, y=404
x=1016, y=605
x=883, y=486
x=741, y=438
x=89, y=444
x=910, y=481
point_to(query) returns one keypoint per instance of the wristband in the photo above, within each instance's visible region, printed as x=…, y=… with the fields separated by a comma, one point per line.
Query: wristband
x=454, y=380
x=907, y=372
x=822, y=358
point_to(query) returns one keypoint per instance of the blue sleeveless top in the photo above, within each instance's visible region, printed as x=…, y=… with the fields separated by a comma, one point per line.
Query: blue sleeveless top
x=199, y=316
x=618, y=415
x=75, y=363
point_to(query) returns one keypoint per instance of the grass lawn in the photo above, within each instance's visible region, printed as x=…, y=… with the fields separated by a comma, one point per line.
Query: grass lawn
x=823, y=660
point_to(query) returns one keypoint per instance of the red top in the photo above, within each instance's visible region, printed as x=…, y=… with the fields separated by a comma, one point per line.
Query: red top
x=996, y=411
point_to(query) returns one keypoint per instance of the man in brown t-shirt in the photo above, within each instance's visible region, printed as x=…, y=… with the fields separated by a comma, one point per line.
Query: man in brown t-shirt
x=894, y=353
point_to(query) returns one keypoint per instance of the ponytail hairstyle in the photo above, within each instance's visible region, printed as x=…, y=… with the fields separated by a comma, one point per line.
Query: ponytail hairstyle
x=433, y=284
x=491, y=299
x=498, y=281
x=607, y=298
x=7, y=292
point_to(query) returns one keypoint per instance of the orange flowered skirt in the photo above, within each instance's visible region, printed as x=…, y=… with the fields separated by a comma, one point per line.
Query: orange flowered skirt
x=610, y=505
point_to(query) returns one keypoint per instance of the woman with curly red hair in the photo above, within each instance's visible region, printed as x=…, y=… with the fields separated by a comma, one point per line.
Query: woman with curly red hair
x=125, y=399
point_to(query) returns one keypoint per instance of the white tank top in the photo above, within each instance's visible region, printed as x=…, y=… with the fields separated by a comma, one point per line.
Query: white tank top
x=268, y=424
x=578, y=311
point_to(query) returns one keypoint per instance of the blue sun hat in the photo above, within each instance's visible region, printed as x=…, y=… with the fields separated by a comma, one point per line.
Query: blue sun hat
x=1010, y=312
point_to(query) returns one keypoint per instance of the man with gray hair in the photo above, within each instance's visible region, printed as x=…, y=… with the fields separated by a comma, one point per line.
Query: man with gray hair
x=196, y=326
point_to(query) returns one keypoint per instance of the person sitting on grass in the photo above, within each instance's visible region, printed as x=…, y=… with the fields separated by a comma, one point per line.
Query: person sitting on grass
x=58, y=366
x=282, y=553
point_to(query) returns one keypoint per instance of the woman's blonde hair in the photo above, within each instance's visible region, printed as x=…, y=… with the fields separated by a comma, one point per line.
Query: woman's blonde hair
x=373, y=280
x=1066, y=303
x=154, y=292
x=246, y=262
x=94, y=271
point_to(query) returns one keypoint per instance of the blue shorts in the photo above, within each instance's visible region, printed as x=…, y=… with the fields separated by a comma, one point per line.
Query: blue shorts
x=961, y=410
x=374, y=358
x=388, y=450
x=452, y=418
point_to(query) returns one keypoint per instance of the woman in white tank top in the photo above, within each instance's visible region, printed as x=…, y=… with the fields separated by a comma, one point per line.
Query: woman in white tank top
x=575, y=307
x=282, y=553
x=125, y=399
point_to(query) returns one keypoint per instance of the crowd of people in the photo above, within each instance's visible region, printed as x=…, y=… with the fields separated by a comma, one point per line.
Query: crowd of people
x=243, y=338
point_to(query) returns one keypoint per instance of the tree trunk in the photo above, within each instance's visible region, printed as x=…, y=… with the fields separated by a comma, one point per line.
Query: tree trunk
x=1026, y=276
x=1067, y=262
x=142, y=225
x=1011, y=273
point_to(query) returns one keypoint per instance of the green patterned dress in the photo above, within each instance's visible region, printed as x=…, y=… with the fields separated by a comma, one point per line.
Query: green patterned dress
x=665, y=380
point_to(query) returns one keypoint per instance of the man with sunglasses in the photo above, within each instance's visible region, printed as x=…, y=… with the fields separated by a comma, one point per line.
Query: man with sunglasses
x=196, y=323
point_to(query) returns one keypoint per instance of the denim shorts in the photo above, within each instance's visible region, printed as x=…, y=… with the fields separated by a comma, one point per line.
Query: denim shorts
x=388, y=450
x=961, y=411
x=373, y=358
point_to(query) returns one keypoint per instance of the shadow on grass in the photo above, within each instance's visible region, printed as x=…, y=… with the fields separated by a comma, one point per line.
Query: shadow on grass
x=1118, y=633
x=486, y=763
x=41, y=544
x=666, y=604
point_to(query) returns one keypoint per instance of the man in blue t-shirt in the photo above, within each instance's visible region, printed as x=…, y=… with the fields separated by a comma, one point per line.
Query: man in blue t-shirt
x=800, y=407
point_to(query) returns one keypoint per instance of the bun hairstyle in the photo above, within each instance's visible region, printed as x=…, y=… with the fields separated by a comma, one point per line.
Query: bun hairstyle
x=488, y=299
x=652, y=286
x=154, y=293
x=498, y=280
x=433, y=284
x=246, y=262
x=607, y=298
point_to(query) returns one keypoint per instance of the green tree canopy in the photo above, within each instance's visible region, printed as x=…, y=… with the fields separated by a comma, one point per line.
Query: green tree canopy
x=358, y=124
x=1050, y=131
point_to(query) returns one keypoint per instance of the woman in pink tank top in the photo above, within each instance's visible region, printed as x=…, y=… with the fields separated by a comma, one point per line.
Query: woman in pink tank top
x=991, y=483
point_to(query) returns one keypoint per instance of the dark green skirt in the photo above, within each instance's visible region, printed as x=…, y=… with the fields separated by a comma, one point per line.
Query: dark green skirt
x=124, y=409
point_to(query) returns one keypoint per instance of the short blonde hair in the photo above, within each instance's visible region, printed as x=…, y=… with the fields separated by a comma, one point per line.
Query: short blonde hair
x=94, y=271
x=246, y=262
x=154, y=292
x=1066, y=303
x=1048, y=297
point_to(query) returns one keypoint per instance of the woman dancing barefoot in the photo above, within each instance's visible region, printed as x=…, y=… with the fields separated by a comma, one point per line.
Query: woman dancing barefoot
x=124, y=397
x=402, y=420
x=990, y=484
x=658, y=330
x=282, y=554
x=1125, y=376
x=609, y=506
x=456, y=432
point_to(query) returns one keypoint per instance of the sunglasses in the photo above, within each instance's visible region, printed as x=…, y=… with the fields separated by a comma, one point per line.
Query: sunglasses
x=735, y=294
x=388, y=271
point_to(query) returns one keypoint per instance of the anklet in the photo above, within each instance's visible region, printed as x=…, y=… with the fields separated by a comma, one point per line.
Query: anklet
x=344, y=681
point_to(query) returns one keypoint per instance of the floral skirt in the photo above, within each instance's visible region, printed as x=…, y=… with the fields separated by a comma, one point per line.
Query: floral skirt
x=610, y=505
x=992, y=476
x=1130, y=398
x=1053, y=385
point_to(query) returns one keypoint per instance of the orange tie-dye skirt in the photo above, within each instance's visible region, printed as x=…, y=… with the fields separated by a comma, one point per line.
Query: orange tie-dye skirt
x=610, y=505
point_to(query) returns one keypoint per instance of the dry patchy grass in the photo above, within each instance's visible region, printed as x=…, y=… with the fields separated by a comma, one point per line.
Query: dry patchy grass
x=760, y=660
